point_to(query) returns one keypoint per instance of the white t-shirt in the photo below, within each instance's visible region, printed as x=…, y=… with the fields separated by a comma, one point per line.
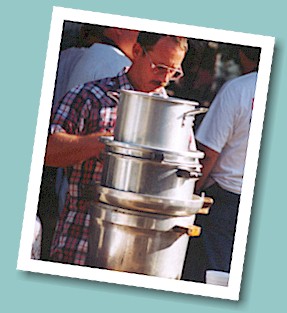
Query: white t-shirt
x=97, y=62
x=225, y=129
x=67, y=61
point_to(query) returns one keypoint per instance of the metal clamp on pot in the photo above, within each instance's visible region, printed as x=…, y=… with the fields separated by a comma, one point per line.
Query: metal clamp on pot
x=207, y=203
x=187, y=173
x=191, y=231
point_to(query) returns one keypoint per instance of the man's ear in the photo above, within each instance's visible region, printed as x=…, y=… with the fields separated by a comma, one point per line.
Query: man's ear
x=137, y=50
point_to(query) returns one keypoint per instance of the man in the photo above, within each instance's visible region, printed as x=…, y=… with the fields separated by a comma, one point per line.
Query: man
x=223, y=137
x=85, y=114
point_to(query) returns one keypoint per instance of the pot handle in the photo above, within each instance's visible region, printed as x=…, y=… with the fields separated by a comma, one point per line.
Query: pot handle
x=114, y=95
x=193, y=112
x=207, y=203
x=191, y=231
x=186, y=173
x=158, y=94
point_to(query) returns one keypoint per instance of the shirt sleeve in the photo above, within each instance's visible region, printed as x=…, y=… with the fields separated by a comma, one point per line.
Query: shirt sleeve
x=218, y=124
x=72, y=112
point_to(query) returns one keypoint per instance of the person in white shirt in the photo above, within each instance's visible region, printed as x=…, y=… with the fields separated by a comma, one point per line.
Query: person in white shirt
x=106, y=58
x=223, y=137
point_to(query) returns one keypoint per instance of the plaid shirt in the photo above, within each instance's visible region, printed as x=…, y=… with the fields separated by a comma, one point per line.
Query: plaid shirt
x=84, y=110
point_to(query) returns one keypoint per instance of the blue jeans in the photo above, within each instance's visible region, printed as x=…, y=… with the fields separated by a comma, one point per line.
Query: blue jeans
x=212, y=250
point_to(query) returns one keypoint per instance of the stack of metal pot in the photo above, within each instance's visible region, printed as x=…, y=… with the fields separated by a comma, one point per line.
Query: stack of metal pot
x=146, y=206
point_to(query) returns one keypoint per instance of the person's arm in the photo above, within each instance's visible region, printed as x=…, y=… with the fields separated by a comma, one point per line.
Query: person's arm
x=65, y=150
x=208, y=163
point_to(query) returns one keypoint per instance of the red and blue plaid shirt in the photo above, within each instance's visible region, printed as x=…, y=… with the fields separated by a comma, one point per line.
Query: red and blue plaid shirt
x=84, y=110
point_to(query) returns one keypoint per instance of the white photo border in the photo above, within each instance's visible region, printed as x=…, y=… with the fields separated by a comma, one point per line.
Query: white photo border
x=25, y=262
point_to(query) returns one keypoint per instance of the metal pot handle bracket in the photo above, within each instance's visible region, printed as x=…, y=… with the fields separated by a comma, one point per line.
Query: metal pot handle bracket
x=194, y=230
x=191, y=231
x=207, y=203
x=159, y=95
x=187, y=173
x=114, y=95
x=193, y=112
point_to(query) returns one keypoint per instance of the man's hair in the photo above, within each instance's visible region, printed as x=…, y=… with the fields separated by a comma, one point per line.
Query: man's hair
x=148, y=40
x=90, y=34
x=251, y=53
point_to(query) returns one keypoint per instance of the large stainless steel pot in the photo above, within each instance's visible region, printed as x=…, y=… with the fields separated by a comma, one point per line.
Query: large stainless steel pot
x=138, y=242
x=142, y=176
x=155, y=121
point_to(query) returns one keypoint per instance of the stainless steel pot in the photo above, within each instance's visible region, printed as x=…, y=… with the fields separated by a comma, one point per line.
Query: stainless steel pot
x=155, y=121
x=147, y=177
x=137, y=242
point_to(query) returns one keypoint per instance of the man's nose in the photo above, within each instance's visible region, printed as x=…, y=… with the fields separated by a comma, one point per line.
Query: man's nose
x=166, y=76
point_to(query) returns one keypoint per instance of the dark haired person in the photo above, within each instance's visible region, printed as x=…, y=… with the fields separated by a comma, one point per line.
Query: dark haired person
x=223, y=137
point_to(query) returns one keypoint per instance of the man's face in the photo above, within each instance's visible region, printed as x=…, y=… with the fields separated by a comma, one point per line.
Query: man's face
x=165, y=52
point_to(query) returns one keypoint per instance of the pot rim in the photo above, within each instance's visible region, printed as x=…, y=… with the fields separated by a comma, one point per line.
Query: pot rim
x=139, y=219
x=159, y=97
x=148, y=203
x=145, y=152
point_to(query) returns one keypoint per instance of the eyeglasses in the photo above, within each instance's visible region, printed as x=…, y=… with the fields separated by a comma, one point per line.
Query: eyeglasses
x=176, y=73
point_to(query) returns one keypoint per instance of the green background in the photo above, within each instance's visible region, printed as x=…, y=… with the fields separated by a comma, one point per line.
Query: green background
x=24, y=37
